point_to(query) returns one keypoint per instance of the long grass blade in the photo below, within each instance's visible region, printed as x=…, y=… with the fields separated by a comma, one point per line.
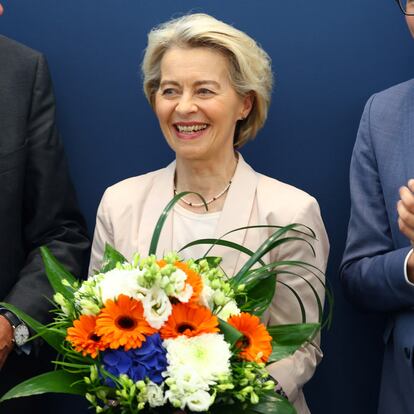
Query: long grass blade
x=163, y=217
x=220, y=242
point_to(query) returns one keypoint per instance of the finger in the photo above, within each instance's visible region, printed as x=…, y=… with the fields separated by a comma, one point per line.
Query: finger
x=407, y=197
x=406, y=215
x=410, y=184
x=405, y=229
x=1, y=9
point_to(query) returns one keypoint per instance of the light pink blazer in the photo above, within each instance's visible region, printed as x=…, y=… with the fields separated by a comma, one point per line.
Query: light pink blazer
x=129, y=210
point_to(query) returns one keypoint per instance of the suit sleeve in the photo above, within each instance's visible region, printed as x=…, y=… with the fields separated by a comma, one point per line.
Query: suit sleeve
x=372, y=270
x=51, y=214
x=294, y=371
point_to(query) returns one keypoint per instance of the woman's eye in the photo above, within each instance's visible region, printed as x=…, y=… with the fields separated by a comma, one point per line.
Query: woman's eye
x=168, y=92
x=204, y=92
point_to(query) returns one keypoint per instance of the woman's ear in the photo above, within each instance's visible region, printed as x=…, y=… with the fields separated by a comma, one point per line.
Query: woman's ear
x=248, y=102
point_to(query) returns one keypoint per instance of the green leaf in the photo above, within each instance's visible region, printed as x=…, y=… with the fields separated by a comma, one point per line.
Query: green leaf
x=259, y=275
x=231, y=334
x=270, y=403
x=54, y=338
x=260, y=293
x=220, y=242
x=302, y=307
x=55, y=381
x=111, y=258
x=269, y=244
x=56, y=273
x=160, y=223
x=289, y=338
x=213, y=261
x=311, y=233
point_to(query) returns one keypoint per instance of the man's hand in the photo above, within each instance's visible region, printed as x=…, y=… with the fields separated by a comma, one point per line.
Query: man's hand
x=405, y=209
x=1, y=9
x=6, y=340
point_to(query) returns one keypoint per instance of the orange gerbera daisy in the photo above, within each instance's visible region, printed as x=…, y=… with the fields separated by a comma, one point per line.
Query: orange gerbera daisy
x=189, y=320
x=83, y=337
x=256, y=344
x=193, y=279
x=122, y=323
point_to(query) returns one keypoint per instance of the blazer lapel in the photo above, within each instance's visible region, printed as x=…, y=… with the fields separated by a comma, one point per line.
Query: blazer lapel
x=236, y=213
x=162, y=191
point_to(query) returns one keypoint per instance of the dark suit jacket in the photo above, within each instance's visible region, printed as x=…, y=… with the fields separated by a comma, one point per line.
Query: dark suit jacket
x=373, y=264
x=37, y=200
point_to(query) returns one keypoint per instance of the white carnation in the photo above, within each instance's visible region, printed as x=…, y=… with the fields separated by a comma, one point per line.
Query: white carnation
x=157, y=307
x=121, y=281
x=229, y=309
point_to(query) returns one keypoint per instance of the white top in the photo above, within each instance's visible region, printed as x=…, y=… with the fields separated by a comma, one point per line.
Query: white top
x=189, y=226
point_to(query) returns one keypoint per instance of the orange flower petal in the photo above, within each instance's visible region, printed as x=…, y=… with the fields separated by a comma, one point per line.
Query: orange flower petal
x=257, y=343
x=83, y=336
x=122, y=323
x=189, y=320
x=193, y=279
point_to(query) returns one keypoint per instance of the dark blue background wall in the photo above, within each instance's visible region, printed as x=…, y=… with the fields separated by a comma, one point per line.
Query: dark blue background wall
x=328, y=57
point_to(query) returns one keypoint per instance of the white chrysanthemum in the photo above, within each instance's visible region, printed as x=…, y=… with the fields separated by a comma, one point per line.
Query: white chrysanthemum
x=199, y=401
x=157, y=307
x=207, y=354
x=155, y=395
x=120, y=281
x=229, y=309
x=206, y=296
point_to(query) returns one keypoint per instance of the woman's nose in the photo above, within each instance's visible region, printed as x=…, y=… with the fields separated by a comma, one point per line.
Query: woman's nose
x=186, y=104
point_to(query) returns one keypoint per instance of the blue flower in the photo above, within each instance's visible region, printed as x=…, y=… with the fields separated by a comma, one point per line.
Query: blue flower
x=149, y=361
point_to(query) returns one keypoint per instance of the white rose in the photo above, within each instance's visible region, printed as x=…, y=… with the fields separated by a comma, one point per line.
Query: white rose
x=199, y=401
x=157, y=307
x=155, y=395
x=206, y=297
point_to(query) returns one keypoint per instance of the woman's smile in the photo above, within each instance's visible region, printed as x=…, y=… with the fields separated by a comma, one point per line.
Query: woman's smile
x=190, y=130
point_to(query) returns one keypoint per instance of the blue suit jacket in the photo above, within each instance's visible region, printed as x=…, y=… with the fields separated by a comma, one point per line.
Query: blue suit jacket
x=372, y=270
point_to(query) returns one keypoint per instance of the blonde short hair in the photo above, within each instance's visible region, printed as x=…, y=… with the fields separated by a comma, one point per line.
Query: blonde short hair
x=249, y=65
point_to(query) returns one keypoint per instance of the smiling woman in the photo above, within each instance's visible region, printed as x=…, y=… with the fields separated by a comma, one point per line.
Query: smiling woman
x=209, y=85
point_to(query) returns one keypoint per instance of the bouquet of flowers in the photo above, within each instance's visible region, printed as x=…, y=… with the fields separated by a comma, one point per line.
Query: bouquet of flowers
x=159, y=334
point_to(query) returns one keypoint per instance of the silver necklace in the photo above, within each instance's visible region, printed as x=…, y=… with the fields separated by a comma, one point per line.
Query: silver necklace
x=220, y=194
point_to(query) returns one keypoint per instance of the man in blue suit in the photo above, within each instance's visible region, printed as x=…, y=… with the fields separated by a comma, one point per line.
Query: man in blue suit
x=377, y=271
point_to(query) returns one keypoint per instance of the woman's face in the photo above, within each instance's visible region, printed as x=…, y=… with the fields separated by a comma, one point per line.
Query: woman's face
x=196, y=104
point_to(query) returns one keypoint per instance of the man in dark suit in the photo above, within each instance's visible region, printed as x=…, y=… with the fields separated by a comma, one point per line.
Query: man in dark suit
x=378, y=265
x=37, y=207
